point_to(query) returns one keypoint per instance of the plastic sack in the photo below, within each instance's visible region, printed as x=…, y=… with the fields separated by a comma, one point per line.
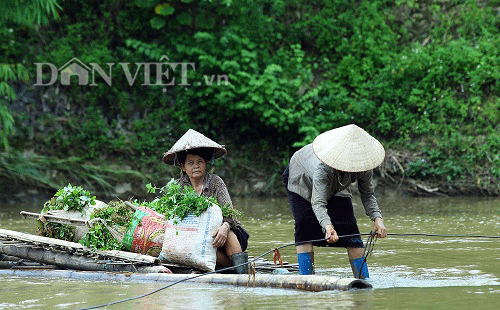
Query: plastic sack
x=189, y=242
x=145, y=233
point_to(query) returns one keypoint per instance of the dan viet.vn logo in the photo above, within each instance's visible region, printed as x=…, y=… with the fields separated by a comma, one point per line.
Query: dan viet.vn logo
x=162, y=73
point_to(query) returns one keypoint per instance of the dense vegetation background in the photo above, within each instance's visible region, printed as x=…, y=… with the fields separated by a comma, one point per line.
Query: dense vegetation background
x=421, y=76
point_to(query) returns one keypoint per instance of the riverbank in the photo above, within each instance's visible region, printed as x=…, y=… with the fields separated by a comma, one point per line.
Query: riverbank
x=27, y=176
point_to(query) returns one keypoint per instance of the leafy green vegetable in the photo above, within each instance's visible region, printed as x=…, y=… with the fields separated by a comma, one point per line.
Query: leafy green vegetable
x=56, y=230
x=100, y=238
x=178, y=204
x=69, y=198
x=116, y=215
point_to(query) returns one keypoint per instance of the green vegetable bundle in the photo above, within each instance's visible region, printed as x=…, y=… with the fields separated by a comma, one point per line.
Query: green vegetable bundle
x=68, y=198
x=174, y=203
x=177, y=203
x=115, y=215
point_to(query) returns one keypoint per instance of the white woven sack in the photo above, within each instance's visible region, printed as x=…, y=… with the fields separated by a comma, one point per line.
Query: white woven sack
x=189, y=242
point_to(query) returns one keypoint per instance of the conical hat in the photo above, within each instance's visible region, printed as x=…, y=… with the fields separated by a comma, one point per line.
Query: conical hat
x=192, y=140
x=349, y=148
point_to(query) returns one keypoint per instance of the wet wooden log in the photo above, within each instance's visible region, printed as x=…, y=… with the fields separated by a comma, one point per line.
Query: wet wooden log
x=312, y=283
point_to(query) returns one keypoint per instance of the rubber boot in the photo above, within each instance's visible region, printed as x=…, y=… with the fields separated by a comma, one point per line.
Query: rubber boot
x=306, y=262
x=359, y=268
x=240, y=258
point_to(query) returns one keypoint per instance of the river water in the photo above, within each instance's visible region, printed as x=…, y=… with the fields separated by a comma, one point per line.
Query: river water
x=407, y=272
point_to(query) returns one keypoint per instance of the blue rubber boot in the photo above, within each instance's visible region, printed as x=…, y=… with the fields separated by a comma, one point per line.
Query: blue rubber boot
x=359, y=268
x=306, y=262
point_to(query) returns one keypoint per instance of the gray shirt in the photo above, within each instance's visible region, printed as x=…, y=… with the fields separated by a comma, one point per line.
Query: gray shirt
x=317, y=183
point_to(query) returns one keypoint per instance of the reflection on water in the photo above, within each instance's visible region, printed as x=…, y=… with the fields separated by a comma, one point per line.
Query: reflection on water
x=406, y=272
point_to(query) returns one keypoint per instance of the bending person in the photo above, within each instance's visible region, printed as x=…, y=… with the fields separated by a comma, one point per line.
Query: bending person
x=192, y=152
x=317, y=182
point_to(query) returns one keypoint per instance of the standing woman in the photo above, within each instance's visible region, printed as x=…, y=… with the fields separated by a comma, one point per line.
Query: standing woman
x=192, y=152
x=317, y=182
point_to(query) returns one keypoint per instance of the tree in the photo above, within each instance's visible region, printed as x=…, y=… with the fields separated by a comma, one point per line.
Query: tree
x=28, y=13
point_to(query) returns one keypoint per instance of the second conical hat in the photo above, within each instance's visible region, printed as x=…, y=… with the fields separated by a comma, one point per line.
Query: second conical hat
x=349, y=148
x=192, y=140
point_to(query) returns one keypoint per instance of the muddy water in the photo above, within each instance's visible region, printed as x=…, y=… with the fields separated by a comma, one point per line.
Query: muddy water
x=415, y=272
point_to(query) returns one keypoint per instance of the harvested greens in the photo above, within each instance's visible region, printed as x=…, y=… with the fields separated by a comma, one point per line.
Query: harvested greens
x=112, y=221
x=178, y=204
x=115, y=215
x=68, y=198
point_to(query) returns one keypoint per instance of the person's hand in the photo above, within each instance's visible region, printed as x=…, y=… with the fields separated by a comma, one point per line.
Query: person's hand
x=379, y=228
x=220, y=235
x=331, y=234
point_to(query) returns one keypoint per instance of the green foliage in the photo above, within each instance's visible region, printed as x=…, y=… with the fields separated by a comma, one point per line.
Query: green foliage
x=29, y=12
x=6, y=124
x=55, y=230
x=100, y=238
x=279, y=72
x=26, y=13
x=115, y=214
x=455, y=156
x=8, y=75
x=69, y=198
x=93, y=134
x=31, y=169
x=177, y=204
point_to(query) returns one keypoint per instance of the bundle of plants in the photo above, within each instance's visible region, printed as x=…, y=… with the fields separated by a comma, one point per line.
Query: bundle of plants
x=176, y=203
x=126, y=226
x=69, y=198
x=147, y=230
x=109, y=225
x=119, y=227
x=191, y=220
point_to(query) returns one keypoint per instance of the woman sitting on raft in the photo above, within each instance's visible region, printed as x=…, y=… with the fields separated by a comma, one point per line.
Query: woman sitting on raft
x=192, y=152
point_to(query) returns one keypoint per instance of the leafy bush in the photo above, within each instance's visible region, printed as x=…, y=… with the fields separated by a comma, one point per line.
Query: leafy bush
x=418, y=75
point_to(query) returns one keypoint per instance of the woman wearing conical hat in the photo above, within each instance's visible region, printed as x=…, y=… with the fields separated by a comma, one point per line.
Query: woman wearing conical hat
x=317, y=182
x=192, y=152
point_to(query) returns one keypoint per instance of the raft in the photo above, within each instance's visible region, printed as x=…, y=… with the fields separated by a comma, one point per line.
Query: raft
x=311, y=283
x=48, y=256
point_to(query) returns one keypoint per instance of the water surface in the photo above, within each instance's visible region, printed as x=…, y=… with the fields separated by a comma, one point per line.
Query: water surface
x=407, y=272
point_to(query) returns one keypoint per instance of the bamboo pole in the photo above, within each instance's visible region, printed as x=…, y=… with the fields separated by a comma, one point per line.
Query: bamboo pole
x=312, y=283
x=56, y=219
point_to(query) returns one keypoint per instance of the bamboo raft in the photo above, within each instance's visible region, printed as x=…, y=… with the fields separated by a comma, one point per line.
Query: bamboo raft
x=80, y=262
x=84, y=263
x=28, y=255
